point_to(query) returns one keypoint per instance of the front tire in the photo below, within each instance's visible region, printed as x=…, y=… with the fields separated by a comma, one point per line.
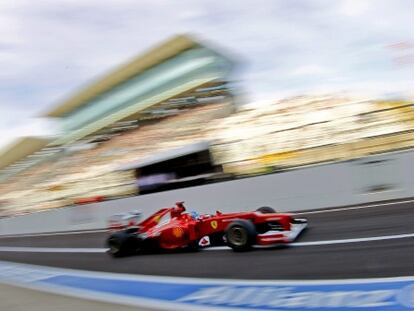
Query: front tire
x=193, y=246
x=241, y=235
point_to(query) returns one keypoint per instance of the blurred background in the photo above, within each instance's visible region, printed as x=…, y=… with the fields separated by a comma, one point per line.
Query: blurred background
x=100, y=101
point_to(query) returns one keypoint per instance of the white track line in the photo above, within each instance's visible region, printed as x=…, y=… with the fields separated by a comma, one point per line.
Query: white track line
x=332, y=242
x=192, y=280
x=51, y=250
x=297, y=244
x=52, y=234
x=356, y=240
x=331, y=210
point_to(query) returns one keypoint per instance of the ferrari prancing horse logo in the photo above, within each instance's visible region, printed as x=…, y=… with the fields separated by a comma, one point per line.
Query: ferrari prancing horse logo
x=214, y=224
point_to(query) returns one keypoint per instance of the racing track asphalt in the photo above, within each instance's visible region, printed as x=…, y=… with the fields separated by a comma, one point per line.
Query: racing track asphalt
x=349, y=260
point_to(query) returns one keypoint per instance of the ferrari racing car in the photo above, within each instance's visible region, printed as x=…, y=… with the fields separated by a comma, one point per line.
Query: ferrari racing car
x=174, y=228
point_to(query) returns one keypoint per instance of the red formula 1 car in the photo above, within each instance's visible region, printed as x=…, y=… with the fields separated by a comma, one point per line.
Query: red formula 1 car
x=174, y=228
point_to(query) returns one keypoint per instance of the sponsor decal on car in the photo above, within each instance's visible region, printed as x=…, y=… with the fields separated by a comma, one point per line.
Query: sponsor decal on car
x=204, y=241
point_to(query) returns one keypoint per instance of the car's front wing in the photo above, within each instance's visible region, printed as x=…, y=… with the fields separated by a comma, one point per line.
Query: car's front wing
x=277, y=237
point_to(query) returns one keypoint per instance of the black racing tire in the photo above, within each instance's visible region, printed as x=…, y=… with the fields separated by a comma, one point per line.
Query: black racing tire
x=240, y=235
x=266, y=210
x=193, y=246
x=122, y=244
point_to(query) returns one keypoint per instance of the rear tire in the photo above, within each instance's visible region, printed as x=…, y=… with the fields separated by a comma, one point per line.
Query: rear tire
x=241, y=235
x=266, y=210
x=122, y=244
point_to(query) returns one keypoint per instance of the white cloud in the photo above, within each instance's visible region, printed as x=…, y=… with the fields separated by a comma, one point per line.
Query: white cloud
x=310, y=70
x=355, y=7
x=50, y=49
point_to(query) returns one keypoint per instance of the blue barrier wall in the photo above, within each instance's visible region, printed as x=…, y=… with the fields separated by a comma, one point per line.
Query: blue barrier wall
x=198, y=294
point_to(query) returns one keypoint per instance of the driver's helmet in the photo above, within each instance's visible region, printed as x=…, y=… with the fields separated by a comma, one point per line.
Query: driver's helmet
x=195, y=215
x=180, y=205
x=178, y=209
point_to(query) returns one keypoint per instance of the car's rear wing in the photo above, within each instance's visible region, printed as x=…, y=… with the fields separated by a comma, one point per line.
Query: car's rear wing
x=124, y=221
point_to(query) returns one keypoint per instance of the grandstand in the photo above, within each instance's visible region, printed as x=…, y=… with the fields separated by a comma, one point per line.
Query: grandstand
x=23, y=153
x=309, y=130
x=163, y=97
x=168, y=119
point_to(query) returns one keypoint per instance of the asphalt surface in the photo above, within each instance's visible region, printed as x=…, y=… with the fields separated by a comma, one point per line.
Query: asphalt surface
x=384, y=258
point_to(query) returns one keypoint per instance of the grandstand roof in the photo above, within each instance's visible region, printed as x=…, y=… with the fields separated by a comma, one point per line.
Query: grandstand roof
x=128, y=112
x=20, y=149
x=141, y=63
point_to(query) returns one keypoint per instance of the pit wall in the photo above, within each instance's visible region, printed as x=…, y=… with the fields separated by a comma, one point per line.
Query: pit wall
x=375, y=178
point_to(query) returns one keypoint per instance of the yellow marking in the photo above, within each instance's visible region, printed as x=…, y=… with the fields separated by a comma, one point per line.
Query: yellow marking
x=178, y=232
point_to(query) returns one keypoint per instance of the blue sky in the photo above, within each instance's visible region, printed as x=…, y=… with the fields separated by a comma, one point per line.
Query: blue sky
x=50, y=49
